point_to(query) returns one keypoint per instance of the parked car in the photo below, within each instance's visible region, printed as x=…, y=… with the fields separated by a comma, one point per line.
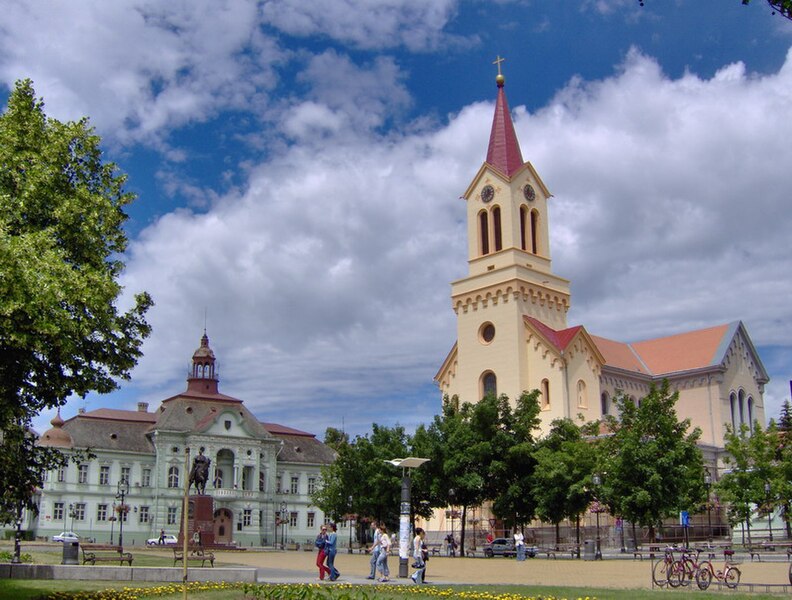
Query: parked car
x=499, y=547
x=169, y=540
x=66, y=536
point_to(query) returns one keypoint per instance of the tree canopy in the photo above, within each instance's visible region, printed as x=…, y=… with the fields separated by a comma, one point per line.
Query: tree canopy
x=61, y=238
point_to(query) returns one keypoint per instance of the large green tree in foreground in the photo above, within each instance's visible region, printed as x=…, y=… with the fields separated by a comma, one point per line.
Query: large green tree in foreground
x=651, y=467
x=61, y=333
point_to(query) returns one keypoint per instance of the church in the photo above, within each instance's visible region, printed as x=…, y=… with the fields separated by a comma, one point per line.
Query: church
x=261, y=475
x=512, y=330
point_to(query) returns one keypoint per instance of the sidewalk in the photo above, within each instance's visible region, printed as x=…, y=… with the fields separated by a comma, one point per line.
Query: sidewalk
x=299, y=567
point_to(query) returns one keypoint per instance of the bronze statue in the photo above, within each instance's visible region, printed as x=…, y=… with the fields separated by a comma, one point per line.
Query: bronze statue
x=200, y=472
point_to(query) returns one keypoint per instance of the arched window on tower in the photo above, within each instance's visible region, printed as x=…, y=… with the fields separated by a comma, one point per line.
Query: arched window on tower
x=489, y=384
x=605, y=403
x=733, y=406
x=496, y=228
x=523, y=227
x=750, y=414
x=582, y=394
x=741, y=404
x=218, y=478
x=545, y=390
x=484, y=232
x=173, y=477
x=535, y=231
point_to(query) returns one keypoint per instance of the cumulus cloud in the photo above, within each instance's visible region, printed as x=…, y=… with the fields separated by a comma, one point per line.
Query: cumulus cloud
x=329, y=275
x=415, y=24
x=139, y=69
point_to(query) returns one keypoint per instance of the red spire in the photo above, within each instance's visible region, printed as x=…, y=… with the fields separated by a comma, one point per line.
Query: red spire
x=504, y=149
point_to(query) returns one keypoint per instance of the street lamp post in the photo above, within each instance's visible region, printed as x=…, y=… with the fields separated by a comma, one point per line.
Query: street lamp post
x=708, y=485
x=123, y=490
x=404, y=508
x=597, y=482
x=283, y=525
x=768, y=488
x=349, y=522
x=112, y=520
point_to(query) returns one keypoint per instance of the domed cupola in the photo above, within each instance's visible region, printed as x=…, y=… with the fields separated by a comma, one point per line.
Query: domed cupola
x=57, y=437
x=203, y=375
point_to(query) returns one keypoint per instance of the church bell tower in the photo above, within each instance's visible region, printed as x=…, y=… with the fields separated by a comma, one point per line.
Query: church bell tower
x=509, y=270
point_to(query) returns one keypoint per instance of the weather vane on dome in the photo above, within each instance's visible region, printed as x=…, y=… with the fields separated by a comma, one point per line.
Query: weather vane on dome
x=499, y=79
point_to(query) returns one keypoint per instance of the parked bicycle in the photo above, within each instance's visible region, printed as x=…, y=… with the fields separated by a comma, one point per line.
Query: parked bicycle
x=662, y=567
x=730, y=574
x=684, y=569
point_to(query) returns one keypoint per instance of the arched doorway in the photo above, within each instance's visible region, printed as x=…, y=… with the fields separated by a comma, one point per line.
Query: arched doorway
x=223, y=526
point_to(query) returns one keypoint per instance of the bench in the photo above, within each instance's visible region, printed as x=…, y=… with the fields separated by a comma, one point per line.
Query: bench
x=435, y=549
x=194, y=554
x=640, y=551
x=91, y=554
x=572, y=549
x=550, y=552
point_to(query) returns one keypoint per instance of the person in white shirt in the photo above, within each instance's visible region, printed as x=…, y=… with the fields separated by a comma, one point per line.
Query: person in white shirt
x=382, y=560
x=419, y=563
x=519, y=545
x=375, y=550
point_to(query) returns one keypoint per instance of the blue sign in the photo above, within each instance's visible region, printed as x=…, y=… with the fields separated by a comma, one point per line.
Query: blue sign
x=684, y=518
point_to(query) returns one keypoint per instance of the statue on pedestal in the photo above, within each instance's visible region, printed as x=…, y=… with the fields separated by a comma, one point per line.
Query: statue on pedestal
x=199, y=474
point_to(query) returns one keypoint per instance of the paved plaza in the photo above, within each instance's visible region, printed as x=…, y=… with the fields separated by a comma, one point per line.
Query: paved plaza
x=613, y=572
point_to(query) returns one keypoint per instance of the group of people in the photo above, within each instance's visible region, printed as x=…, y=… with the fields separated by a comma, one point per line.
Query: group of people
x=326, y=543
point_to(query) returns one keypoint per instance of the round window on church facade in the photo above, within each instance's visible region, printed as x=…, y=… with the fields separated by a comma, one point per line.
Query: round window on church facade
x=487, y=333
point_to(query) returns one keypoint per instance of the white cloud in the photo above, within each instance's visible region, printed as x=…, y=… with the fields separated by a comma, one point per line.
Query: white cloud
x=138, y=68
x=415, y=24
x=329, y=276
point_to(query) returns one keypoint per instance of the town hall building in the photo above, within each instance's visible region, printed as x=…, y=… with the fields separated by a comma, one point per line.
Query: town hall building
x=261, y=478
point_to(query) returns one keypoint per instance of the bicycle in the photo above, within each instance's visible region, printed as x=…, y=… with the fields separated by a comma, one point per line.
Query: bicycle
x=730, y=575
x=662, y=567
x=684, y=569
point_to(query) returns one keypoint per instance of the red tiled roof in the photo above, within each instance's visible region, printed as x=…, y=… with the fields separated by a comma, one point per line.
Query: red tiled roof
x=560, y=339
x=682, y=352
x=619, y=355
x=504, y=149
x=276, y=429
x=115, y=414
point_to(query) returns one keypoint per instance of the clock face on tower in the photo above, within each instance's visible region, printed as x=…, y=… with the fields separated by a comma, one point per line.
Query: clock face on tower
x=529, y=192
x=487, y=193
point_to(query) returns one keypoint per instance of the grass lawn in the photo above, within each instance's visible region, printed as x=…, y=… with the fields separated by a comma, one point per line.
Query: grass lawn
x=40, y=590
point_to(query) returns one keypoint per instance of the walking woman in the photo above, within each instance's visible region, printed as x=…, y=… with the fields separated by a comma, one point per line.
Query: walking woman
x=382, y=561
x=330, y=550
x=418, y=557
x=321, y=541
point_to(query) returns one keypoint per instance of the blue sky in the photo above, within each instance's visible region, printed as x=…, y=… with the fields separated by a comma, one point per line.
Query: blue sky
x=299, y=164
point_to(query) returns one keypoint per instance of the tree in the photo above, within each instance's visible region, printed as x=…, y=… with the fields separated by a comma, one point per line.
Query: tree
x=514, y=464
x=752, y=457
x=785, y=420
x=61, y=236
x=652, y=466
x=565, y=463
x=360, y=473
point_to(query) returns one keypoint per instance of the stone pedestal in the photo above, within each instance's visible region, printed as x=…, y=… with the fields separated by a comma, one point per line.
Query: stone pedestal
x=200, y=521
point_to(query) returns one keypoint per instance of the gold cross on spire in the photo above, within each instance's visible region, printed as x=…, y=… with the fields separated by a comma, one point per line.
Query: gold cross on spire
x=498, y=61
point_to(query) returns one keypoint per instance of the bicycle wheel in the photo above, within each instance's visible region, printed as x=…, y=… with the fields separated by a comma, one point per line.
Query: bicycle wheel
x=660, y=573
x=732, y=577
x=676, y=573
x=704, y=575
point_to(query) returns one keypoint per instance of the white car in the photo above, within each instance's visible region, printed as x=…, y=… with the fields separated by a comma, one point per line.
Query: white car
x=169, y=540
x=66, y=536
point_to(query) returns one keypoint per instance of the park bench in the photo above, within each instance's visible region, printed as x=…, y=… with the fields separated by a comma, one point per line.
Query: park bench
x=768, y=547
x=546, y=550
x=652, y=551
x=94, y=553
x=572, y=549
x=194, y=554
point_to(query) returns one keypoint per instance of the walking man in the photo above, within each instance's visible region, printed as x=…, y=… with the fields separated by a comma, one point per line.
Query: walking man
x=375, y=551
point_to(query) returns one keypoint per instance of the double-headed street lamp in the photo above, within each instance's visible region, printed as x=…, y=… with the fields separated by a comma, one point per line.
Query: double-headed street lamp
x=123, y=490
x=404, y=508
x=349, y=522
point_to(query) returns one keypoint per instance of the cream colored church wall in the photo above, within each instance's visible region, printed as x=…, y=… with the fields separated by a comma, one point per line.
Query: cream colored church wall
x=699, y=402
x=741, y=375
x=502, y=355
x=583, y=367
